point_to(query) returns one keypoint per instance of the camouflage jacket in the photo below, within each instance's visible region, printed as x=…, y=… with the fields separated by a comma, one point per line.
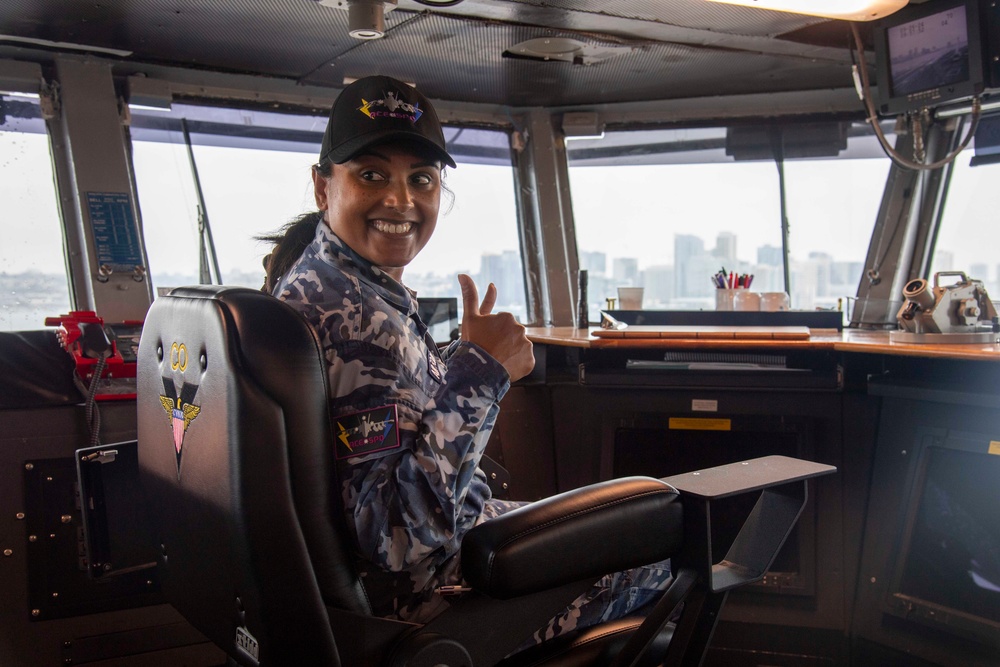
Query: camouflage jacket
x=410, y=422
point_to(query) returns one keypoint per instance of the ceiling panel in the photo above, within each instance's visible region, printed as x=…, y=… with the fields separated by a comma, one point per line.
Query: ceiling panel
x=697, y=14
x=665, y=48
x=470, y=66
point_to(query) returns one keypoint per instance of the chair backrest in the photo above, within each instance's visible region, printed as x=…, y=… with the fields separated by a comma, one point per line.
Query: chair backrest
x=235, y=453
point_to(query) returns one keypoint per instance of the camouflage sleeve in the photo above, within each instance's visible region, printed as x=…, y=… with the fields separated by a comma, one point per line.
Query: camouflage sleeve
x=414, y=507
x=449, y=349
x=411, y=503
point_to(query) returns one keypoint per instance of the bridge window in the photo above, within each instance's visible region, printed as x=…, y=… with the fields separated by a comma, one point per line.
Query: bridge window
x=33, y=279
x=254, y=172
x=667, y=209
x=968, y=236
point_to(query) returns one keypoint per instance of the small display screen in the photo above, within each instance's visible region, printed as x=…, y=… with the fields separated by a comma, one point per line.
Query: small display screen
x=930, y=52
x=441, y=317
x=953, y=558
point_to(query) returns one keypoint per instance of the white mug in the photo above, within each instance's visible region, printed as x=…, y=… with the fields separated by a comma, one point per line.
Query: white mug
x=744, y=299
x=630, y=298
x=773, y=301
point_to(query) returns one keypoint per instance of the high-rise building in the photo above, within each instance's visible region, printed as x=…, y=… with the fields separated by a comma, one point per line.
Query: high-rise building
x=503, y=270
x=596, y=263
x=944, y=260
x=725, y=248
x=820, y=264
x=770, y=255
x=625, y=270
x=689, y=250
x=659, y=286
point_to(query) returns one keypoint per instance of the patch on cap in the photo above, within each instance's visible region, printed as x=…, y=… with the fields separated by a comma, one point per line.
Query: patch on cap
x=390, y=106
x=389, y=111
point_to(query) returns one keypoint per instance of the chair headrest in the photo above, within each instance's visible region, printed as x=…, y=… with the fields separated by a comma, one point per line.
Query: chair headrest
x=235, y=448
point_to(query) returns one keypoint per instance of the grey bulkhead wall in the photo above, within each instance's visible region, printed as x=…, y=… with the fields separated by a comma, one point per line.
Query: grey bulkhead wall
x=903, y=238
x=548, y=233
x=91, y=160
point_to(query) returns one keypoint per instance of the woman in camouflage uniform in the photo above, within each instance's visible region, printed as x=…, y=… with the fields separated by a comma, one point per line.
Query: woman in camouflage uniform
x=411, y=421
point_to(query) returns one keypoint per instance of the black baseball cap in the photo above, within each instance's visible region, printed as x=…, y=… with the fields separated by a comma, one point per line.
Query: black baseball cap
x=377, y=109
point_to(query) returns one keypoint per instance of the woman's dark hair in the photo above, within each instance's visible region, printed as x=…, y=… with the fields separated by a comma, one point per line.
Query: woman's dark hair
x=289, y=242
x=291, y=239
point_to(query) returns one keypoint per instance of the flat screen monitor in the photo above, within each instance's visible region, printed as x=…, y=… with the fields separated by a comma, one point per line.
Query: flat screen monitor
x=440, y=315
x=948, y=571
x=928, y=55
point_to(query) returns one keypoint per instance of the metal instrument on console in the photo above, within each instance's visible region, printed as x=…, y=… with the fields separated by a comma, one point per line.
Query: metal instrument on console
x=958, y=313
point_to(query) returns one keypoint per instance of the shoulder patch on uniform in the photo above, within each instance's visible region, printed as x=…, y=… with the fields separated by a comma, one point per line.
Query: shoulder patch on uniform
x=366, y=432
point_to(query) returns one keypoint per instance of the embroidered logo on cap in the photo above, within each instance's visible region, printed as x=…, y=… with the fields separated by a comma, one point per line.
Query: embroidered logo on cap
x=180, y=411
x=366, y=432
x=390, y=106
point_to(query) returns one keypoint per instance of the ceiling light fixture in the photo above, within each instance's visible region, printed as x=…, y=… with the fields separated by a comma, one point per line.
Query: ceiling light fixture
x=149, y=94
x=847, y=10
x=564, y=49
x=365, y=18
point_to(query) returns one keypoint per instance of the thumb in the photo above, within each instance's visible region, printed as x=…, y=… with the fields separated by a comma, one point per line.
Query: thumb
x=470, y=296
x=489, y=300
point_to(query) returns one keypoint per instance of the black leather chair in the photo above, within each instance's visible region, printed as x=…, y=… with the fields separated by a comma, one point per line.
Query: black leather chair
x=235, y=453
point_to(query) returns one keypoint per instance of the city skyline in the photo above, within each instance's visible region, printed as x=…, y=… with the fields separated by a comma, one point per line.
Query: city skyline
x=818, y=281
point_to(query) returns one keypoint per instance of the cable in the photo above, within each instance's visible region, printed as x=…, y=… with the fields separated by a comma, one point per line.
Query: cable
x=438, y=3
x=93, y=413
x=918, y=140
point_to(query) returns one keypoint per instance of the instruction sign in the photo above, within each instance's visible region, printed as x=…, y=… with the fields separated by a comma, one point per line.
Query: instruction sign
x=116, y=236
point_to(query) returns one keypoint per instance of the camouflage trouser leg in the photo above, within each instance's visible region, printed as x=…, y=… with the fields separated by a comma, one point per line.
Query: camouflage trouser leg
x=613, y=596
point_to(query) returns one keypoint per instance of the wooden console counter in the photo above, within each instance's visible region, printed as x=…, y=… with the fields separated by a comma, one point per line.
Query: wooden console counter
x=870, y=342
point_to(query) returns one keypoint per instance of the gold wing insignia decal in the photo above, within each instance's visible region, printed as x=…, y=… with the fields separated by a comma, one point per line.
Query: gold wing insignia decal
x=190, y=412
x=168, y=406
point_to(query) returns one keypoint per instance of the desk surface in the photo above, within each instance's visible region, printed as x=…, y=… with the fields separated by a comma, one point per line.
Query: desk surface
x=871, y=342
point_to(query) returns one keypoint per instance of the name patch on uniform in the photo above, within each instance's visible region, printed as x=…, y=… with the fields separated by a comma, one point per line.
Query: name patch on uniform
x=435, y=366
x=366, y=432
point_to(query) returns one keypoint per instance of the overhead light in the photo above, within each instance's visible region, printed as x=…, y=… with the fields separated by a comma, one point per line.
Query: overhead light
x=582, y=125
x=564, y=49
x=348, y=80
x=149, y=94
x=847, y=10
x=365, y=18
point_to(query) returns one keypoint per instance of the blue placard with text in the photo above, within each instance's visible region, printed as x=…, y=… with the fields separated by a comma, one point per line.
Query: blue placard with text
x=116, y=236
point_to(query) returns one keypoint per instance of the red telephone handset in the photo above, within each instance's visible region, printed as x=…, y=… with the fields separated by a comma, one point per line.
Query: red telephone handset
x=87, y=339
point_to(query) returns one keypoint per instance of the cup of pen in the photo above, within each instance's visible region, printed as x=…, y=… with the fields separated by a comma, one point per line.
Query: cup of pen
x=724, y=298
x=732, y=292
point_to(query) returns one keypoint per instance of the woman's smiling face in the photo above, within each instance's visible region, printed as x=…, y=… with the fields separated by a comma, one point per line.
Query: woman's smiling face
x=382, y=203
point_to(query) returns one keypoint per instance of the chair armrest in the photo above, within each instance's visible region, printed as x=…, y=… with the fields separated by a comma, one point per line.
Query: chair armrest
x=782, y=483
x=746, y=476
x=586, y=532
